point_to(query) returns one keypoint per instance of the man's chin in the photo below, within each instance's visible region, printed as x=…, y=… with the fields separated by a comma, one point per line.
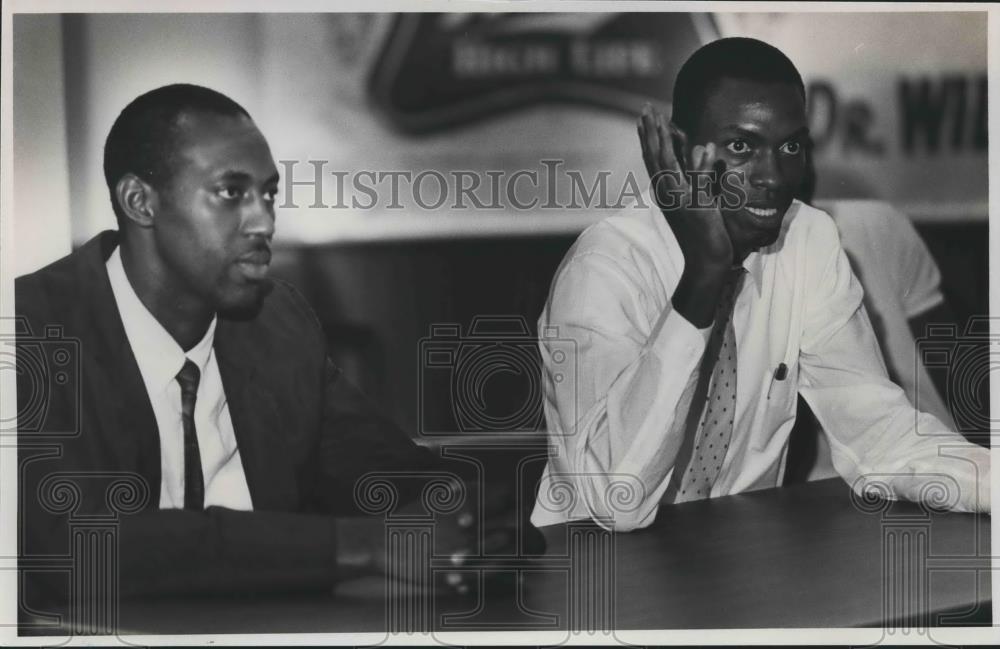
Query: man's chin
x=247, y=302
x=769, y=236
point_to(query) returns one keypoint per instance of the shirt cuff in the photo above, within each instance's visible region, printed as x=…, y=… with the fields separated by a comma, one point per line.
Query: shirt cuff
x=679, y=346
x=914, y=308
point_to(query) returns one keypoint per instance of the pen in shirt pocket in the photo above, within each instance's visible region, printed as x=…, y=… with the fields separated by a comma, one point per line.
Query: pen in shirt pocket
x=780, y=374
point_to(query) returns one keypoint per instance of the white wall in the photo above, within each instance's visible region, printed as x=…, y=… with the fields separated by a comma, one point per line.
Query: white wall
x=117, y=57
x=41, y=223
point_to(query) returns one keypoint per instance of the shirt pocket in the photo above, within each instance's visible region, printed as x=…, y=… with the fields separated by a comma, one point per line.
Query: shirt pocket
x=777, y=403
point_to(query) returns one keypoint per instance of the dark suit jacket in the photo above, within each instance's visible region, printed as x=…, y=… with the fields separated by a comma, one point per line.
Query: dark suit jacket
x=305, y=436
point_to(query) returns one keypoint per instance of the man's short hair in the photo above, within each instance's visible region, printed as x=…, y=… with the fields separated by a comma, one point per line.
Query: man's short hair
x=143, y=138
x=727, y=58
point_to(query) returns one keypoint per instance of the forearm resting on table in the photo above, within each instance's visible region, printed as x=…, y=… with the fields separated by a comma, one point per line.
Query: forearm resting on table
x=215, y=552
x=950, y=475
x=877, y=438
x=625, y=433
x=220, y=551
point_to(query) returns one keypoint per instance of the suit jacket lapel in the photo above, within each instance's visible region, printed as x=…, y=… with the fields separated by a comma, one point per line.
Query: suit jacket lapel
x=253, y=409
x=116, y=390
x=110, y=372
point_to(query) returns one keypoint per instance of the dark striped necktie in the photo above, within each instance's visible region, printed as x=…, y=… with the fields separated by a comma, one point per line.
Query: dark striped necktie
x=194, y=481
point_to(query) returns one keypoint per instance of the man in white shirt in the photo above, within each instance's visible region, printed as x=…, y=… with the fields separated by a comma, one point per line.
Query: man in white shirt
x=695, y=327
x=902, y=296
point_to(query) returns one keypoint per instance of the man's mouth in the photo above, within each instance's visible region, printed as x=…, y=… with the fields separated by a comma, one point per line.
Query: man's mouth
x=261, y=256
x=767, y=215
x=765, y=212
x=255, y=264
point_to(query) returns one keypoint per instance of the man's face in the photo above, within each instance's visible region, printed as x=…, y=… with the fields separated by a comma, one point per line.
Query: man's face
x=215, y=217
x=760, y=130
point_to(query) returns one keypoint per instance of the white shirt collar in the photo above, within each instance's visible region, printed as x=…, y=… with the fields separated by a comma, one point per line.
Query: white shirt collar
x=157, y=354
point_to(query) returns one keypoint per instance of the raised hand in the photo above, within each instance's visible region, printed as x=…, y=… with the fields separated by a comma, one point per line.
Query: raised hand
x=697, y=224
x=695, y=219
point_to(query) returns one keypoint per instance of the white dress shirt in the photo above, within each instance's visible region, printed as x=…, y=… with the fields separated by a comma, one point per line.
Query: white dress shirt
x=620, y=366
x=160, y=358
x=901, y=281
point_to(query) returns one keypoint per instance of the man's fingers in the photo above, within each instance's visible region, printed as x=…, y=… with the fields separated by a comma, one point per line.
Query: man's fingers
x=649, y=140
x=712, y=164
x=649, y=154
x=641, y=130
x=698, y=154
x=707, y=163
x=458, y=557
x=500, y=541
x=458, y=582
x=649, y=127
x=667, y=160
x=658, y=154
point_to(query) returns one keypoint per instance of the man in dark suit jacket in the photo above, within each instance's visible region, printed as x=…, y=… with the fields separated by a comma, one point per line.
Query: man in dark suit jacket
x=192, y=182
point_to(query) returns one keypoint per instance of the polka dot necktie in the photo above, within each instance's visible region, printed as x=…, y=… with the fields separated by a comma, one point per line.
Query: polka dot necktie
x=194, y=481
x=716, y=391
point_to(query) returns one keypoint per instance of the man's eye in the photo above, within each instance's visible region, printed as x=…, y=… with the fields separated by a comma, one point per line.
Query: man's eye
x=792, y=148
x=738, y=146
x=271, y=195
x=229, y=193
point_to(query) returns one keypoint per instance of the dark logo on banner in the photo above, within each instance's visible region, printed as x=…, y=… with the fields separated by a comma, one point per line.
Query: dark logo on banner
x=439, y=70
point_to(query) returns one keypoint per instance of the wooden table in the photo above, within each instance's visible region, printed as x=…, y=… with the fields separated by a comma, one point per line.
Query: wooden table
x=803, y=556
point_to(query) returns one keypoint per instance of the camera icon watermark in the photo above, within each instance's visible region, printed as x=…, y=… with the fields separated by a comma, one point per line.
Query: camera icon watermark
x=488, y=380
x=963, y=362
x=46, y=368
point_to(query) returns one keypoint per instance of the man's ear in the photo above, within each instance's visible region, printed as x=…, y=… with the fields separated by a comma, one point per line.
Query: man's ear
x=137, y=199
x=680, y=142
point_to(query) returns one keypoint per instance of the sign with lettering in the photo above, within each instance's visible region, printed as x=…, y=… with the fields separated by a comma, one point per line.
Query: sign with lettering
x=439, y=70
x=546, y=103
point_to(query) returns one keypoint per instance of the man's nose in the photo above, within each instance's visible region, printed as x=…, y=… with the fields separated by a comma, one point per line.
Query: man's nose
x=766, y=174
x=259, y=217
